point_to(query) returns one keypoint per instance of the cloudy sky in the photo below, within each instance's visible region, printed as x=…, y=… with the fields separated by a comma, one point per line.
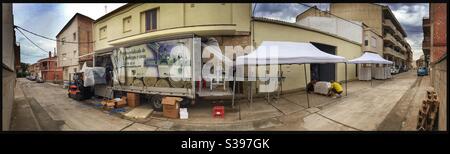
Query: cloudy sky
x=48, y=19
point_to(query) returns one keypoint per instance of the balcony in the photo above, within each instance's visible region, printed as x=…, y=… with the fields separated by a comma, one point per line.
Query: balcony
x=426, y=44
x=388, y=24
x=402, y=47
x=388, y=50
x=389, y=38
x=426, y=22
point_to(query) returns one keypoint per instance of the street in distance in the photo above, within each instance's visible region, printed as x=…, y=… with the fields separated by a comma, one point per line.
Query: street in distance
x=229, y=144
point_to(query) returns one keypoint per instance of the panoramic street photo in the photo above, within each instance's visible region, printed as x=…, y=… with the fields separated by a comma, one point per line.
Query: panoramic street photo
x=224, y=67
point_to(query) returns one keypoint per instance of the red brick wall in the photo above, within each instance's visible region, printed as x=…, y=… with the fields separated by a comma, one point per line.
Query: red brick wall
x=51, y=71
x=85, y=35
x=438, y=17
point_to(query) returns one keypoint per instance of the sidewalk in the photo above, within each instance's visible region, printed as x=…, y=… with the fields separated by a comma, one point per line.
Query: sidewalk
x=23, y=118
x=364, y=108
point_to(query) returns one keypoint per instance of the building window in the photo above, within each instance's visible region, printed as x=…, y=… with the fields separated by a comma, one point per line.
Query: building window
x=74, y=53
x=102, y=33
x=64, y=56
x=373, y=42
x=75, y=36
x=366, y=41
x=63, y=40
x=75, y=70
x=150, y=20
x=127, y=24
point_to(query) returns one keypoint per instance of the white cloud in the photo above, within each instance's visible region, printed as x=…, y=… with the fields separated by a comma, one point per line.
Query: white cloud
x=411, y=15
x=48, y=19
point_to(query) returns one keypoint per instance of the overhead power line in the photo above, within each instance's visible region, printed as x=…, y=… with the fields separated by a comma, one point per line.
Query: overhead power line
x=32, y=41
x=18, y=27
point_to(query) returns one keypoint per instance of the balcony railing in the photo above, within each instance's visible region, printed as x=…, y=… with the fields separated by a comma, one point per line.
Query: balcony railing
x=388, y=23
x=389, y=37
x=426, y=22
x=425, y=44
x=391, y=51
x=398, y=35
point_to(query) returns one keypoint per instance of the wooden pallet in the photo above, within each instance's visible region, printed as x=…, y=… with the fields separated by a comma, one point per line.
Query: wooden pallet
x=428, y=112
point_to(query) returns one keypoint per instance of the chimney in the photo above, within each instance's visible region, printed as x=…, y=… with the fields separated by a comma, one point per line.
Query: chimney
x=49, y=54
x=54, y=52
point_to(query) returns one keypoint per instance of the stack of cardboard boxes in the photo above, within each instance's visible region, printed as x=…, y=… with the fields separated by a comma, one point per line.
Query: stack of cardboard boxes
x=115, y=103
x=171, y=107
x=133, y=99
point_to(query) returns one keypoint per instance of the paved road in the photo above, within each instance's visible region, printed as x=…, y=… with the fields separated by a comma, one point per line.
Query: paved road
x=55, y=111
x=365, y=108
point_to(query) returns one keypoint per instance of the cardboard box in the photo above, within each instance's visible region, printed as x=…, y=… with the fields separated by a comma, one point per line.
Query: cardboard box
x=171, y=107
x=133, y=99
x=122, y=102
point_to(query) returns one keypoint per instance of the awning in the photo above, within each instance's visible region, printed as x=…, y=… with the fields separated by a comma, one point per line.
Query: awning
x=281, y=52
x=370, y=58
x=278, y=52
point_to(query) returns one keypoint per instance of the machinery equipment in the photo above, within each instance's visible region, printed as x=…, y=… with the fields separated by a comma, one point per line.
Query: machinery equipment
x=77, y=90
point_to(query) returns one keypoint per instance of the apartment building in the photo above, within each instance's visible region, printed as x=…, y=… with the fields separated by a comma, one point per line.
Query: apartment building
x=49, y=70
x=75, y=45
x=353, y=30
x=138, y=26
x=426, y=40
x=420, y=62
x=384, y=23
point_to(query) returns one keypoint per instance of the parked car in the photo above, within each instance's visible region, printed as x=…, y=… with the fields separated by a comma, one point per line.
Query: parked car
x=39, y=80
x=422, y=71
x=394, y=70
x=32, y=78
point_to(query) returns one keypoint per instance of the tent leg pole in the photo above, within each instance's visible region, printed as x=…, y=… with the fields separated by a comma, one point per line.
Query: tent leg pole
x=346, y=82
x=234, y=90
x=251, y=94
x=306, y=85
x=371, y=80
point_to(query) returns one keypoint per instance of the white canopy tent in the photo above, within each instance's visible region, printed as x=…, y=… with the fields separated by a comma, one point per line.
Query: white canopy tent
x=281, y=52
x=370, y=58
x=287, y=53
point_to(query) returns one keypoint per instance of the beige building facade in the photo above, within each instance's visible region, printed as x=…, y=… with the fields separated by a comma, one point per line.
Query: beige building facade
x=75, y=45
x=228, y=23
x=384, y=23
x=356, y=31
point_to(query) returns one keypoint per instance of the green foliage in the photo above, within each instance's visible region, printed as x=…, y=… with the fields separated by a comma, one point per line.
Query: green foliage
x=22, y=74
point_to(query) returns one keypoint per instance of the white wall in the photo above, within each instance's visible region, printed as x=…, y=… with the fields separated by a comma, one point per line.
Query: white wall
x=68, y=48
x=349, y=30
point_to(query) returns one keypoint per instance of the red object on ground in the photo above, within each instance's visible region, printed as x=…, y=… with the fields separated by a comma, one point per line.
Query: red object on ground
x=219, y=111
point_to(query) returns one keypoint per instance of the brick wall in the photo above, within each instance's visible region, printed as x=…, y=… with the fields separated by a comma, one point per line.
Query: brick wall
x=85, y=35
x=438, y=19
x=438, y=14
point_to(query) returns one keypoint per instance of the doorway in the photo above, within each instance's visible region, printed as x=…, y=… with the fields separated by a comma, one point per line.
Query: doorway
x=324, y=72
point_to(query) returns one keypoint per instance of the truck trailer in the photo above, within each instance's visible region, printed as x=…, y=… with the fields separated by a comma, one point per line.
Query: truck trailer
x=170, y=66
